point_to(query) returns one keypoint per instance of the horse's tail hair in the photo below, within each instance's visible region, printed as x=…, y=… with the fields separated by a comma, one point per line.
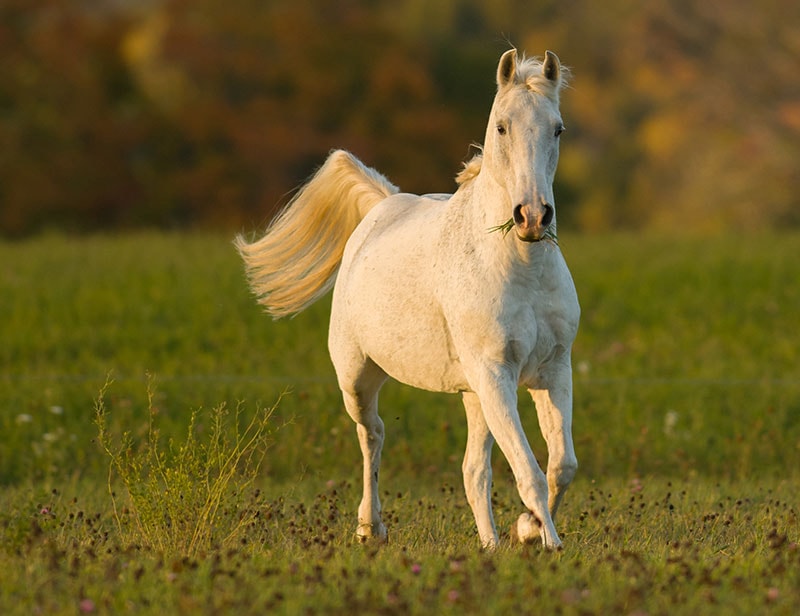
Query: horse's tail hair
x=296, y=261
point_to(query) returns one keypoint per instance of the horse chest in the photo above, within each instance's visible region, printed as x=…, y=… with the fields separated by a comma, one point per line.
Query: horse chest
x=524, y=338
x=522, y=326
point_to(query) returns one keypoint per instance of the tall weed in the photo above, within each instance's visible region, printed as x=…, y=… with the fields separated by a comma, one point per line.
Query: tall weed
x=184, y=497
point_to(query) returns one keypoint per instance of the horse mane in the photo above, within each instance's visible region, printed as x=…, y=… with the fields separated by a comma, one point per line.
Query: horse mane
x=470, y=169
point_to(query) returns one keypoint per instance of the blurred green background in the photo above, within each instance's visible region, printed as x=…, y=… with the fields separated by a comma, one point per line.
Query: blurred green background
x=117, y=114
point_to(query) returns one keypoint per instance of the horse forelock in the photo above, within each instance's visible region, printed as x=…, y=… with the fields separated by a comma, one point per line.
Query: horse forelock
x=529, y=73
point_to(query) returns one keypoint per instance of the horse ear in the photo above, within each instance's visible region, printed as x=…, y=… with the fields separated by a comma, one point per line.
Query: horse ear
x=551, y=67
x=507, y=69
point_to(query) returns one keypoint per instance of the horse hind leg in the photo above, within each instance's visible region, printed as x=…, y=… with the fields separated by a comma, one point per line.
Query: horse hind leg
x=361, y=403
x=477, y=470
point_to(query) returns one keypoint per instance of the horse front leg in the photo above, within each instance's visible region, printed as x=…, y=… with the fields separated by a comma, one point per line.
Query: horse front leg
x=554, y=409
x=477, y=470
x=498, y=396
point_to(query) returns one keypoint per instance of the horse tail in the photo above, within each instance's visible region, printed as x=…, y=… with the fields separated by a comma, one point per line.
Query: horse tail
x=297, y=260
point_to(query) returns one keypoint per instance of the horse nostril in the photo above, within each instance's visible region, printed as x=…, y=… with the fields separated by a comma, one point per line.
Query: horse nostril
x=547, y=217
x=518, y=217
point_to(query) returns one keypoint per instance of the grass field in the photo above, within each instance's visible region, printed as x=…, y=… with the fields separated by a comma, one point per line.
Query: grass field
x=687, y=429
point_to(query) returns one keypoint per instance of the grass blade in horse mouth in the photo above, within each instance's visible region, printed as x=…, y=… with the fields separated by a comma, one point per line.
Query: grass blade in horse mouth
x=549, y=234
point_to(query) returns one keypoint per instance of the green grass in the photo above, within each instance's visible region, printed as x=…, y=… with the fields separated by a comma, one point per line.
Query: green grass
x=653, y=547
x=687, y=428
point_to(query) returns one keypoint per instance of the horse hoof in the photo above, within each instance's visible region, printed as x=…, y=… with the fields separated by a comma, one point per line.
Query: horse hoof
x=527, y=529
x=489, y=545
x=372, y=533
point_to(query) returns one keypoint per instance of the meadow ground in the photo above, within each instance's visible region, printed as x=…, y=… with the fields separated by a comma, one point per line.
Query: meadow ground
x=687, y=428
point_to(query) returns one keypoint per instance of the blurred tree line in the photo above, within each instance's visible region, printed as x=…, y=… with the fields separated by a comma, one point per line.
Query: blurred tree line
x=186, y=113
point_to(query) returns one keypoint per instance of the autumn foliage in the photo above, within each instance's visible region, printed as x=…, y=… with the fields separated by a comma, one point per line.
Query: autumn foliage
x=186, y=113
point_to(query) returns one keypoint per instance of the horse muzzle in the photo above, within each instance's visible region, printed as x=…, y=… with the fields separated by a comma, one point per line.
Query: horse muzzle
x=531, y=222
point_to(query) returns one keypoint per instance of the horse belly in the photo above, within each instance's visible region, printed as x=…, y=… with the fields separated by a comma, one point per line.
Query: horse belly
x=414, y=351
x=384, y=306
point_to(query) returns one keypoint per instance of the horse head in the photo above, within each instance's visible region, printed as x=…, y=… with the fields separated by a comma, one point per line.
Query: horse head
x=521, y=147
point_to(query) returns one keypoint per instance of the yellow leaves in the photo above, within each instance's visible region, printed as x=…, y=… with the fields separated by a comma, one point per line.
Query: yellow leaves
x=163, y=82
x=211, y=112
x=789, y=115
x=663, y=136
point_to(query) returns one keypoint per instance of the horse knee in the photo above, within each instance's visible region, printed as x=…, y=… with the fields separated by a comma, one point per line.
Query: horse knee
x=564, y=473
x=477, y=478
x=470, y=472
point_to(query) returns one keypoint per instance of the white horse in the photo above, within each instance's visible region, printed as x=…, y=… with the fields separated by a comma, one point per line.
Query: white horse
x=435, y=292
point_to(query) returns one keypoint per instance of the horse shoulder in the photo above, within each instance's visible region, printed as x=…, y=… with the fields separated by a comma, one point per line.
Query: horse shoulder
x=558, y=301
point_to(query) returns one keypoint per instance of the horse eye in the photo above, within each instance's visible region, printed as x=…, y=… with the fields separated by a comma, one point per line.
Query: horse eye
x=560, y=129
x=501, y=129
